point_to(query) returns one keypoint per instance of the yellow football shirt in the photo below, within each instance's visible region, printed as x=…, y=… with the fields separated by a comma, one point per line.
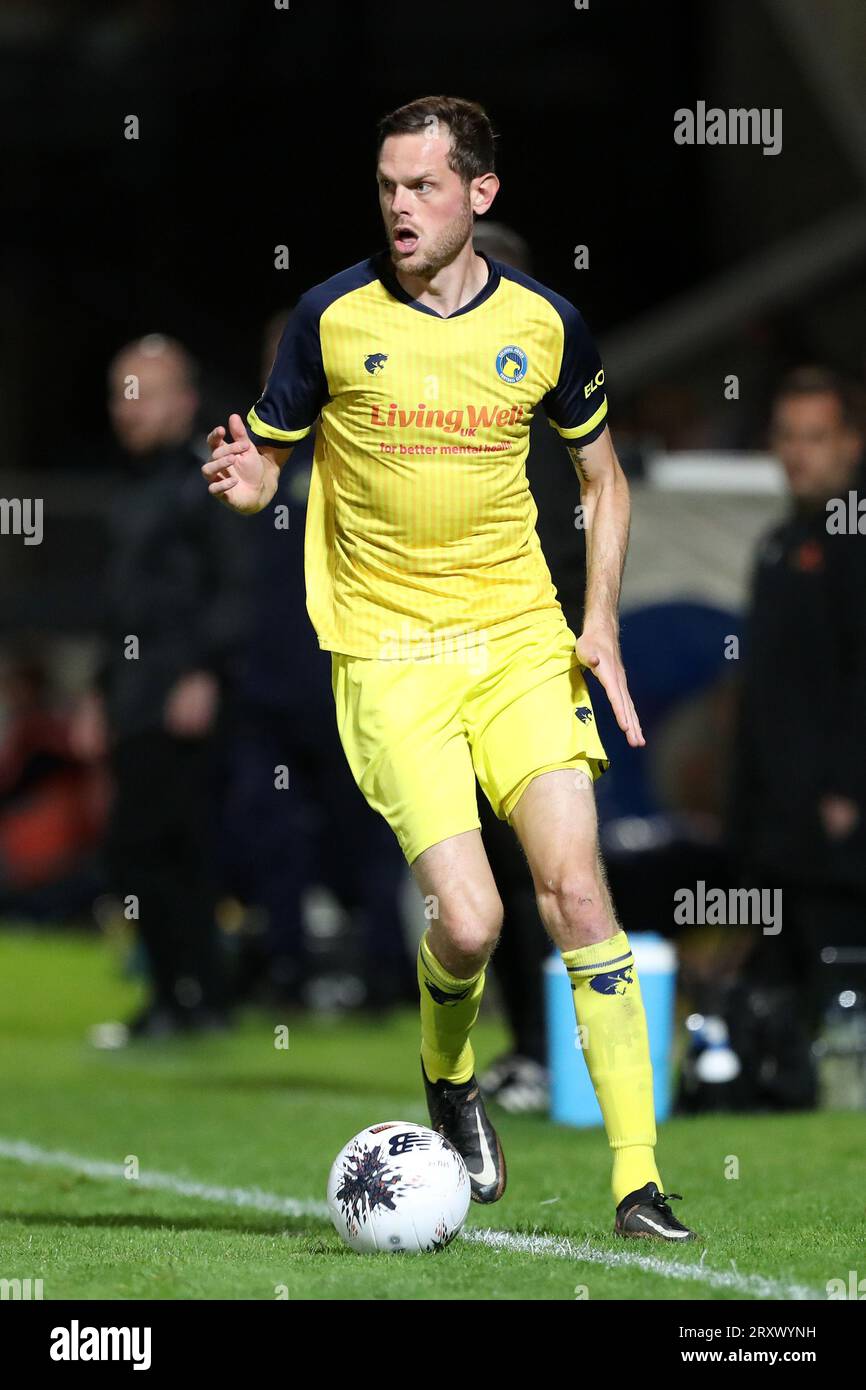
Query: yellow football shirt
x=420, y=523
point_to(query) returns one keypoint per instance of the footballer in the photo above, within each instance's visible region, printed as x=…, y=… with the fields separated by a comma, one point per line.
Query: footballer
x=451, y=658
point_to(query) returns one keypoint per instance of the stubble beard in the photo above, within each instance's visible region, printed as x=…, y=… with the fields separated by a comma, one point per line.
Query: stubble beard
x=442, y=253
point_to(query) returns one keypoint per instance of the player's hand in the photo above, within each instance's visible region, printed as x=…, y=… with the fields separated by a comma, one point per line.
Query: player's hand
x=599, y=651
x=235, y=471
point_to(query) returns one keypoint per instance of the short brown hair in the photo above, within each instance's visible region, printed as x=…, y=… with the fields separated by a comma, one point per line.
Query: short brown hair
x=824, y=381
x=472, y=138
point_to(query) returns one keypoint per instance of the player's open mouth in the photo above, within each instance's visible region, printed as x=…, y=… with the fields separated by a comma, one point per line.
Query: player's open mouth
x=405, y=239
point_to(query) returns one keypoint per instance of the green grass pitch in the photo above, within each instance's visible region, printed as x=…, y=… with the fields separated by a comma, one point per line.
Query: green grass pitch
x=237, y=1126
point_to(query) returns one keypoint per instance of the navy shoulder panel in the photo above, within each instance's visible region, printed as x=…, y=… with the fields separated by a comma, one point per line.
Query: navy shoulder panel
x=576, y=405
x=563, y=307
x=316, y=300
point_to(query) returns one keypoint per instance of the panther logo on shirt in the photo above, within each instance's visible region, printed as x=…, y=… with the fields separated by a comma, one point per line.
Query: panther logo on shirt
x=375, y=362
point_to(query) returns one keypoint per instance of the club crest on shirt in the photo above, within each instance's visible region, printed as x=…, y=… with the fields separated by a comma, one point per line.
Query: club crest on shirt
x=511, y=364
x=375, y=362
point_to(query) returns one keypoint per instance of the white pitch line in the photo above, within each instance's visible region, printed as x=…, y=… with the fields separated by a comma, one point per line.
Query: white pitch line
x=558, y=1247
x=561, y=1247
x=22, y=1152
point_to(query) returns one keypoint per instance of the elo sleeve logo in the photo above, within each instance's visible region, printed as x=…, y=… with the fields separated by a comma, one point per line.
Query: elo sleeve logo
x=594, y=384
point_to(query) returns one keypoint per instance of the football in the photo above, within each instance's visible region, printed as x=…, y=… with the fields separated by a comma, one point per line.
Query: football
x=398, y=1188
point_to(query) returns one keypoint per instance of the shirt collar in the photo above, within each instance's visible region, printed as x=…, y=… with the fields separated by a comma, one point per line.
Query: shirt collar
x=388, y=276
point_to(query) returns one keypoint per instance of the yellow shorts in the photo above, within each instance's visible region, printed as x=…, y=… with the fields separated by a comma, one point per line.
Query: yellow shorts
x=502, y=705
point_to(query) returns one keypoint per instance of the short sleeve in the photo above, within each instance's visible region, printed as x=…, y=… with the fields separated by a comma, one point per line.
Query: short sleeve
x=297, y=387
x=577, y=405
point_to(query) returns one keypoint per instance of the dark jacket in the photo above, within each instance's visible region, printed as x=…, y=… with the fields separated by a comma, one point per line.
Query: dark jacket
x=802, y=719
x=175, y=579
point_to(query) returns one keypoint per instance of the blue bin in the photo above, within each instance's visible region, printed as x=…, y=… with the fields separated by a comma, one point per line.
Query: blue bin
x=572, y=1097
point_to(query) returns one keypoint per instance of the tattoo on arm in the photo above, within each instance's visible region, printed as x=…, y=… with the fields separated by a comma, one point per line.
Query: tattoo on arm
x=579, y=462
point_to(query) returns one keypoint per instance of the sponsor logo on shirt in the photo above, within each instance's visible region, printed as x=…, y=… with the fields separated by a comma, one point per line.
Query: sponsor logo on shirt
x=466, y=419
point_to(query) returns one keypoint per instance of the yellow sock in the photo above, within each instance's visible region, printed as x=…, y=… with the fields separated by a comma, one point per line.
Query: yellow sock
x=613, y=1034
x=449, y=1007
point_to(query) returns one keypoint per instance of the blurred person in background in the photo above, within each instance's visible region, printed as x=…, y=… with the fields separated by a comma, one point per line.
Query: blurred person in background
x=173, y=620
x=281, y=839
x=799, y=804
x=52, y=803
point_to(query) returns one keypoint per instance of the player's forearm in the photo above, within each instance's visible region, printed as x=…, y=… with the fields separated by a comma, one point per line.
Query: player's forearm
x=607, y=511
x=272, y=462
x=606, y=508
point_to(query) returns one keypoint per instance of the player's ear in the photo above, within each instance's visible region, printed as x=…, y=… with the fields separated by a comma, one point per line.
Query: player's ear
x=482, y=192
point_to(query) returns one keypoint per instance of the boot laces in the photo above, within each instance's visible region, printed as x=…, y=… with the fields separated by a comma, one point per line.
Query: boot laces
x=661, y=1200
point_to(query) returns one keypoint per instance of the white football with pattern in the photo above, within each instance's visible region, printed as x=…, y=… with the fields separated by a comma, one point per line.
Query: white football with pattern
x=398, y=1188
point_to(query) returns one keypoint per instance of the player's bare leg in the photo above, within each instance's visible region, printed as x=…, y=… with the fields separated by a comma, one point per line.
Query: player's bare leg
x=464, y=910
x=556, y=822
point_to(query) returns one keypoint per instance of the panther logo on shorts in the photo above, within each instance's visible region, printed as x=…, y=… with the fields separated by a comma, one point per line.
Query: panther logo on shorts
x=584, y=714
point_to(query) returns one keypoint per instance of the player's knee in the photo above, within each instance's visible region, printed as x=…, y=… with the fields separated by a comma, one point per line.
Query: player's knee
x=474, y=930
x=573, y=902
